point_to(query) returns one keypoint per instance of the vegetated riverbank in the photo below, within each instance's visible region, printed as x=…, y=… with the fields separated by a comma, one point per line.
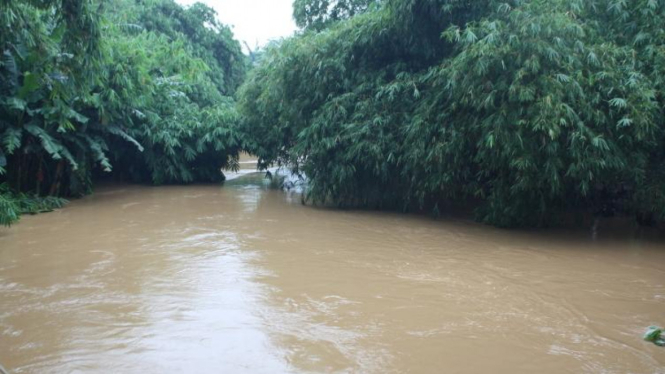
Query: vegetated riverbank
x=534, y=109
x=577, y=220
x=139, y=90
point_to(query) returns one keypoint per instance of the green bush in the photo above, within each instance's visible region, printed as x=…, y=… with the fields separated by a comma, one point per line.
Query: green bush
x=528, y=108
x=139, y=89
x=12, y=205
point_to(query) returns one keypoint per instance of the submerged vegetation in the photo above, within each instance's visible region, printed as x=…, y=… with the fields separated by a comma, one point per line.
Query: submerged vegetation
x=12, y=205
x=527, y=108
x=137, y=90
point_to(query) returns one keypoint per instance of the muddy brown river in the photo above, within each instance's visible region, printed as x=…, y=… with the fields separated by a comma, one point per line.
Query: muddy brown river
x=243, y=279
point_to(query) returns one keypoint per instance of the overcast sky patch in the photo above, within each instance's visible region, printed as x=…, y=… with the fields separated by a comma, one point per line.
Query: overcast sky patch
x=254, y=21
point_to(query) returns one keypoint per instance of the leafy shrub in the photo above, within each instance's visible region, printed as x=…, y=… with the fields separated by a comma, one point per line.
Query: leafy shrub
x=142, y=90
x=13, y=205
x=530, y=108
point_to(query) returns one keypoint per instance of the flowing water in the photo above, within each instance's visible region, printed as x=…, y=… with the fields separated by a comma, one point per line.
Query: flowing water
x=243, y=279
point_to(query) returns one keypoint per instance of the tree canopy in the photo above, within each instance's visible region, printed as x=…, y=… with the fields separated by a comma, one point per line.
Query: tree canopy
x=320, y=14
x=525, y=109
x=529, y=108
x=139, y=90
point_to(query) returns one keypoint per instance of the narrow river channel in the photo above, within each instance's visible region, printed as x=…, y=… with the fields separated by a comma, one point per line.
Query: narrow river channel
x=244, y=279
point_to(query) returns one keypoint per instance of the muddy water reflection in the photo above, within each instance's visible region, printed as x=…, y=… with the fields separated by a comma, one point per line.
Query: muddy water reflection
x=240, y=279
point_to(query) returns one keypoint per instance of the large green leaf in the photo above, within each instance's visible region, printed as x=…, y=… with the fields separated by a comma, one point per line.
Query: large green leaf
x=30, y=85
x=119, y=132
x=9, y=211
x=11, y=139
x=3, y=162
x=51, y=145
x=12, y=74
x=97, y=147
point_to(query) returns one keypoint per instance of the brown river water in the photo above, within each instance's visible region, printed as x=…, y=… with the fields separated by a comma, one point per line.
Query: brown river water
x=243, y=279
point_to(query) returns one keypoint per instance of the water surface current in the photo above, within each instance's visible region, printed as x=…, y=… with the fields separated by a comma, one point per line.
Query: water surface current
x=244, y=279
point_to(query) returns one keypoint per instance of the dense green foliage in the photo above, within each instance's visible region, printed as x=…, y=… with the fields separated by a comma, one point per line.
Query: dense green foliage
x=141, y=90
x=12, y=205
x=528, y=108
x=171, y=88
x=320, y=14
